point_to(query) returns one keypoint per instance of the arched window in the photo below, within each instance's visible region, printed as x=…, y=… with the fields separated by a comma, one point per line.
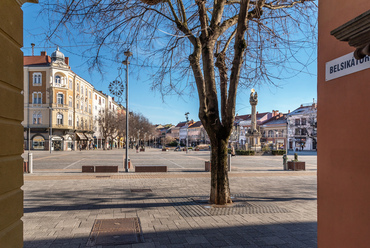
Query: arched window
x=38, y=142
x=271, y=133
x=60, y=119
x=37, y=79
x=57, y=80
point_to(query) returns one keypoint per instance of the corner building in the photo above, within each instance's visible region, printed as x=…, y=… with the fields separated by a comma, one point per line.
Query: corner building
x=58, y=104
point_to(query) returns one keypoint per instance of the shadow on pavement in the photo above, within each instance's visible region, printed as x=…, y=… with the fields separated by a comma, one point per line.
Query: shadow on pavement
x=288, y=235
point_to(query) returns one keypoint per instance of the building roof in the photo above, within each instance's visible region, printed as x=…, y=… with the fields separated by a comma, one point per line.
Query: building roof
x=181, y=124
x=304, y=109
x=36, y=60
x=195, y=124
x=276, y=120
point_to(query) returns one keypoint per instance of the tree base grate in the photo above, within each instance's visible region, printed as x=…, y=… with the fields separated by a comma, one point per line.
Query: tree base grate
x=121, y=231
x=198, y=207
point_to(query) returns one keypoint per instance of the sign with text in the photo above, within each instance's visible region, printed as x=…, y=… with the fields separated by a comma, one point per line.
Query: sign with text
x=345, y=65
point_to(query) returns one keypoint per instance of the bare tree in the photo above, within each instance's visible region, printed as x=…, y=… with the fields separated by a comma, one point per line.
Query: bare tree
x=108, y=123
x=218, y=45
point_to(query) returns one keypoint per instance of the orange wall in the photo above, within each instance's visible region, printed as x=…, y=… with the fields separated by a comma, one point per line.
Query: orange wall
x=344, y=137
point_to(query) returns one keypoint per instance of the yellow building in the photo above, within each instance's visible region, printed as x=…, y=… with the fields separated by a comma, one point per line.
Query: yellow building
x=58, y=104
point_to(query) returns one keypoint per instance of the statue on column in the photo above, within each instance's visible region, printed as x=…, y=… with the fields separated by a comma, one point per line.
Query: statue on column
x=253, y=136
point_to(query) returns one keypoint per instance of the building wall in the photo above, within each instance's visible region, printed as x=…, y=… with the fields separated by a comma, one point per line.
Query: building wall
x=11, y=116
x=343, y=131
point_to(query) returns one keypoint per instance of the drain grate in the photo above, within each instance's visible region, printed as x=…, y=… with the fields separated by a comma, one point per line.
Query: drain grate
x=121, y=231
x=188, y=207
x=140, y=190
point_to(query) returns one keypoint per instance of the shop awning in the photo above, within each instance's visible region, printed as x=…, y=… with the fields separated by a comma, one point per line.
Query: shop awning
x=89, y=136
x=81, y=136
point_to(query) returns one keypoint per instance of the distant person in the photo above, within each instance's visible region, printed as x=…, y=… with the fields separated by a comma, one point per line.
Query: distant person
x=232, y=151
x=137, y=148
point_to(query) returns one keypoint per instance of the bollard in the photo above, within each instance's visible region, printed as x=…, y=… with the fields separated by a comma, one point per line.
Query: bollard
x=229, y=162
x=30, y=163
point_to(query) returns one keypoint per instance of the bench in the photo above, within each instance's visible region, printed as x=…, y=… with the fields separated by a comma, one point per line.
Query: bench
x=150, y=168
x=88, y=168
x=108, y=168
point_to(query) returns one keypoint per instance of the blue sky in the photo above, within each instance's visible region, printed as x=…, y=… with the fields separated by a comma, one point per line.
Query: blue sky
x=292, y=92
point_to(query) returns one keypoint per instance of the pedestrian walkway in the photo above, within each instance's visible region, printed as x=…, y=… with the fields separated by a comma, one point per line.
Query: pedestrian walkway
x=270, y=209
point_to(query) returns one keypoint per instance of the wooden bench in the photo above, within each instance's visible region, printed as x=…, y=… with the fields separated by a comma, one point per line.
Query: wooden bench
x=88, y=168
x=150, y=168
x=106, y=168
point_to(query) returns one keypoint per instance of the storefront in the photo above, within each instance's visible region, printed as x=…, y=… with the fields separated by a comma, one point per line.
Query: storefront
x=57, y=143
x=38, y=143
x=81, y=141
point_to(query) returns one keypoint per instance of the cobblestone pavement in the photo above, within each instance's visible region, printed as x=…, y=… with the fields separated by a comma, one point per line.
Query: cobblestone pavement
x=271, y=209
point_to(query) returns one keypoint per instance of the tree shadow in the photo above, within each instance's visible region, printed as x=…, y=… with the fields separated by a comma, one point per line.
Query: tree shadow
x=284, y=235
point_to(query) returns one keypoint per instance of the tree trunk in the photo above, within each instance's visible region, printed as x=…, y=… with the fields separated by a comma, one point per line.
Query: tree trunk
x=220, y=190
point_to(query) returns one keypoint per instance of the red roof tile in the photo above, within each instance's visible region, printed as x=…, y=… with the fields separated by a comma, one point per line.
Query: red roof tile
x=36, y=60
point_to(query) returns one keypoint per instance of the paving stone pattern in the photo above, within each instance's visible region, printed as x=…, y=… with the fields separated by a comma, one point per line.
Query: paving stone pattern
x=274, y=211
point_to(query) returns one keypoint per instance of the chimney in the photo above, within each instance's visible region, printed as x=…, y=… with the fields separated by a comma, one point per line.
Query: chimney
x=66, y=60
x=43, y=53
x=33, y=49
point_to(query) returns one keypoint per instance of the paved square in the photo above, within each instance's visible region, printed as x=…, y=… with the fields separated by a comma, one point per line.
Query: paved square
x=62, y=205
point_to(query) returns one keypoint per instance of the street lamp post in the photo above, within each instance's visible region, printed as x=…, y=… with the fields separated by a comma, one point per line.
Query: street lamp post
x=126, y=62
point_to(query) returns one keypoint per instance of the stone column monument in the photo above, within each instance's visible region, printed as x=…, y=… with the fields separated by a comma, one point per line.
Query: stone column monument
x=253, y=136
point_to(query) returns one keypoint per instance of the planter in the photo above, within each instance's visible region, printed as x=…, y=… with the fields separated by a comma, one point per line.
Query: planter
x=296, y=165
x=207, y=165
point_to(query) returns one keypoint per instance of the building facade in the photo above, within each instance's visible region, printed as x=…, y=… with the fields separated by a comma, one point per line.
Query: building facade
x=302, y=128
x=61, y=108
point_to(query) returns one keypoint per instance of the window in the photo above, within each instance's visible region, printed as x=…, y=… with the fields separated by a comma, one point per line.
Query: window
x=99, y=100
x=37, y=117
x=70, y=84
x=37, y=79
x=86, y=105
x=303, y=121
x=60, y=98
x=82, y=90
x=96, y=97
x=60, y=119
x=82, y=123
x=304, y=131
x=297, y=131
x=70, y=102
x=86, y=91
x=89, y=108
x=78, y=87
x=89, y=94
x=77, y=121
x=70, y=120
x=57, y=80
x=82, y=105
x=271, y=133
x=78, y=104
x=297, y=122
x=37, y=98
